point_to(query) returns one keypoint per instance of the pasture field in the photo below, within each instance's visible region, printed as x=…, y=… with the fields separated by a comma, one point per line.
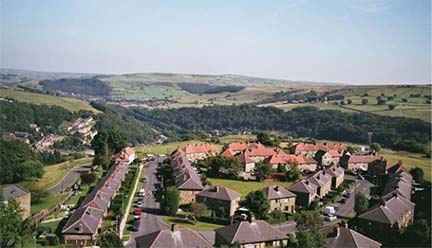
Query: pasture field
x=70, y=104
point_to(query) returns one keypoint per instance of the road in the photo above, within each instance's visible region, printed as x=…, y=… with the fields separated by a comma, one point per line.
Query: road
x=70, y=178
x=346, y=209
x=150, y=221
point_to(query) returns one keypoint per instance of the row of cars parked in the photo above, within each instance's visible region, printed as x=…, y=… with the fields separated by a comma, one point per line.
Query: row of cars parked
x=138, y=212
x=330, y=211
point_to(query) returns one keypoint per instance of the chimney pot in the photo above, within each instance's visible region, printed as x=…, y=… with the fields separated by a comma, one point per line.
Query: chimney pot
x=276, y=188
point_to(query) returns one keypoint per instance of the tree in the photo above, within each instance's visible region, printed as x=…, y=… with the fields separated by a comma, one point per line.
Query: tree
x=281, y=168
x=417, y=234
x=364, y=101
x=256, y=202
x=361, y=203
x=198, y=209
x=310, y=235
x=263, y=171
x=105, y=144
x=38, y=194
x=342, y=102
x=381, y=102
x=293, y=173
x=391, y=106
x=110, y=239
x=376, y=147
x=171, y=200
x=12, y=226
x=264, y=139
x=417, y=174
x=88, y=177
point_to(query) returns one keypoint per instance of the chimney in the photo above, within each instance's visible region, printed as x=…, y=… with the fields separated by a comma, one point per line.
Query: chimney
x=344, y=224
x=276, y=188
x=307, y=182
x=173, y=227
x=216, y=188
x=383, y=203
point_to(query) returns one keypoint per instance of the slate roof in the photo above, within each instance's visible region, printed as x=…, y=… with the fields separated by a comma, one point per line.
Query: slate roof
x=389, y=210
x=277, y=192
x=400, y=183
x=186, y=178
x=220, y=193
x=13, y=191
x=303, y=186
x=245, y=232
x=86, y=218
x=319, y=178
x=335, y=171
x=348, y=238
x=182, y=238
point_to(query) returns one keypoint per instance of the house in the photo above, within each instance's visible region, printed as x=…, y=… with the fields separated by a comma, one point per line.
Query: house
x=322, y=181
x=327, y=158
x=250, y=234
x=20, y=195
x=127, y=154
x=311, y=188
x=217, y=197
x=247, y=162
x=399, y=183
x=381, y=167
x=359, y=162
x=256, y=151
x=392, y=214
x=310, y=149
x=340, y=236
x=181, y=238
x=186, y=178
x=305, y=191
x=280, y=199
x=303, y=163
x=337, y=174
x=83, y=226
x=199, y=151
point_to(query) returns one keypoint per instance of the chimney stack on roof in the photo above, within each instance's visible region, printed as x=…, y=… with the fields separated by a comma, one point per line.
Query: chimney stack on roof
x=336, y=231
x=173, y=227
x=276, y=188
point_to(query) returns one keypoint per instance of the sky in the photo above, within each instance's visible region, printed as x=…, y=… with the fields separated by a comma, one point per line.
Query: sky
x=346, y=41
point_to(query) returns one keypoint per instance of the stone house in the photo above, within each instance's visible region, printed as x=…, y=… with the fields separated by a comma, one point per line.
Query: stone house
x=181, y=238
x=305, y=191
x=216, y=197
x=337, y=174
x=199, y=151
x=21, y=196
x=280, y=199
x=358, y=162
x=340, y=236
x=258, y=234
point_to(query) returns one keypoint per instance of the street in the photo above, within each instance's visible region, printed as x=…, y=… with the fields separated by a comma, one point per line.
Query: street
x=346, y=209
x=70, y=178
x=149, y=221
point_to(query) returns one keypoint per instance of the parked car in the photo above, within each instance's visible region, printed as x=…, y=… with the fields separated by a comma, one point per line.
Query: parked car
x=140, y=204
x=347, y=195
x=144, y=179
x=134, y=227
x=136, y=218
x=137, y=211
x=329, y=210
x=343, y=201
x=330, y=218
x=141, y=192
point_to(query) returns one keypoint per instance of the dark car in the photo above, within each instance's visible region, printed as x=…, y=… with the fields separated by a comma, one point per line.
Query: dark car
x=134, y=227
x=343, y=201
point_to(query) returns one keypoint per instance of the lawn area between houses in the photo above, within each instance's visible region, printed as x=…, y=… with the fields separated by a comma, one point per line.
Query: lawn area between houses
x=244, y=187
x=182, y=222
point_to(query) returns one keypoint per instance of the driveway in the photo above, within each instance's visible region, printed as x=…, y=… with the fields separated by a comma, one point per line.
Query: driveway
x=70, y=179
x=150, y=221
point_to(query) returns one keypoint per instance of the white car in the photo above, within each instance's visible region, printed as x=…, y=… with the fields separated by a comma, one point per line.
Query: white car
x=141, y=192
x=330, y=218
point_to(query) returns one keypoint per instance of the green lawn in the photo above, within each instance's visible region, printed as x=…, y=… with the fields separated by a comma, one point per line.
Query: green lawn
x=70, y=104
x=181, y=222
x=47, y=202
x=244, y=187
x=410, y=160
x=54, y=173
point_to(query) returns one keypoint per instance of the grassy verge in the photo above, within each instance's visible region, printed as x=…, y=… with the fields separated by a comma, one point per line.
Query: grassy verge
x=410, y=160
x=54, y=173
x=126, y=232
x=182, y=222
x=244, y=187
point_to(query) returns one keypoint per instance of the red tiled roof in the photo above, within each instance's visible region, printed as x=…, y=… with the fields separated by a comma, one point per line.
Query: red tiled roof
x=244, y=158
x=228, y=153
x=361, y=159
x=237, y=146
x=334, y=153
x=199, y=148
x=304, y=147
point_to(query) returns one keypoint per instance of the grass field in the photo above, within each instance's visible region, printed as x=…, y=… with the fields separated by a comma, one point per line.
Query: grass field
x=54, y=173
x=410, y=160
x=70, y=104
x=244, y=187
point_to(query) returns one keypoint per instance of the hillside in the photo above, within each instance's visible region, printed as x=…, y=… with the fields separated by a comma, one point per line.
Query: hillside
x=70, y=104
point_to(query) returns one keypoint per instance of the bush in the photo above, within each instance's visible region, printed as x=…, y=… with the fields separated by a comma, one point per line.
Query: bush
x=364, y=101
x=391, y=106
x=88, y=177
x=171, y=201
